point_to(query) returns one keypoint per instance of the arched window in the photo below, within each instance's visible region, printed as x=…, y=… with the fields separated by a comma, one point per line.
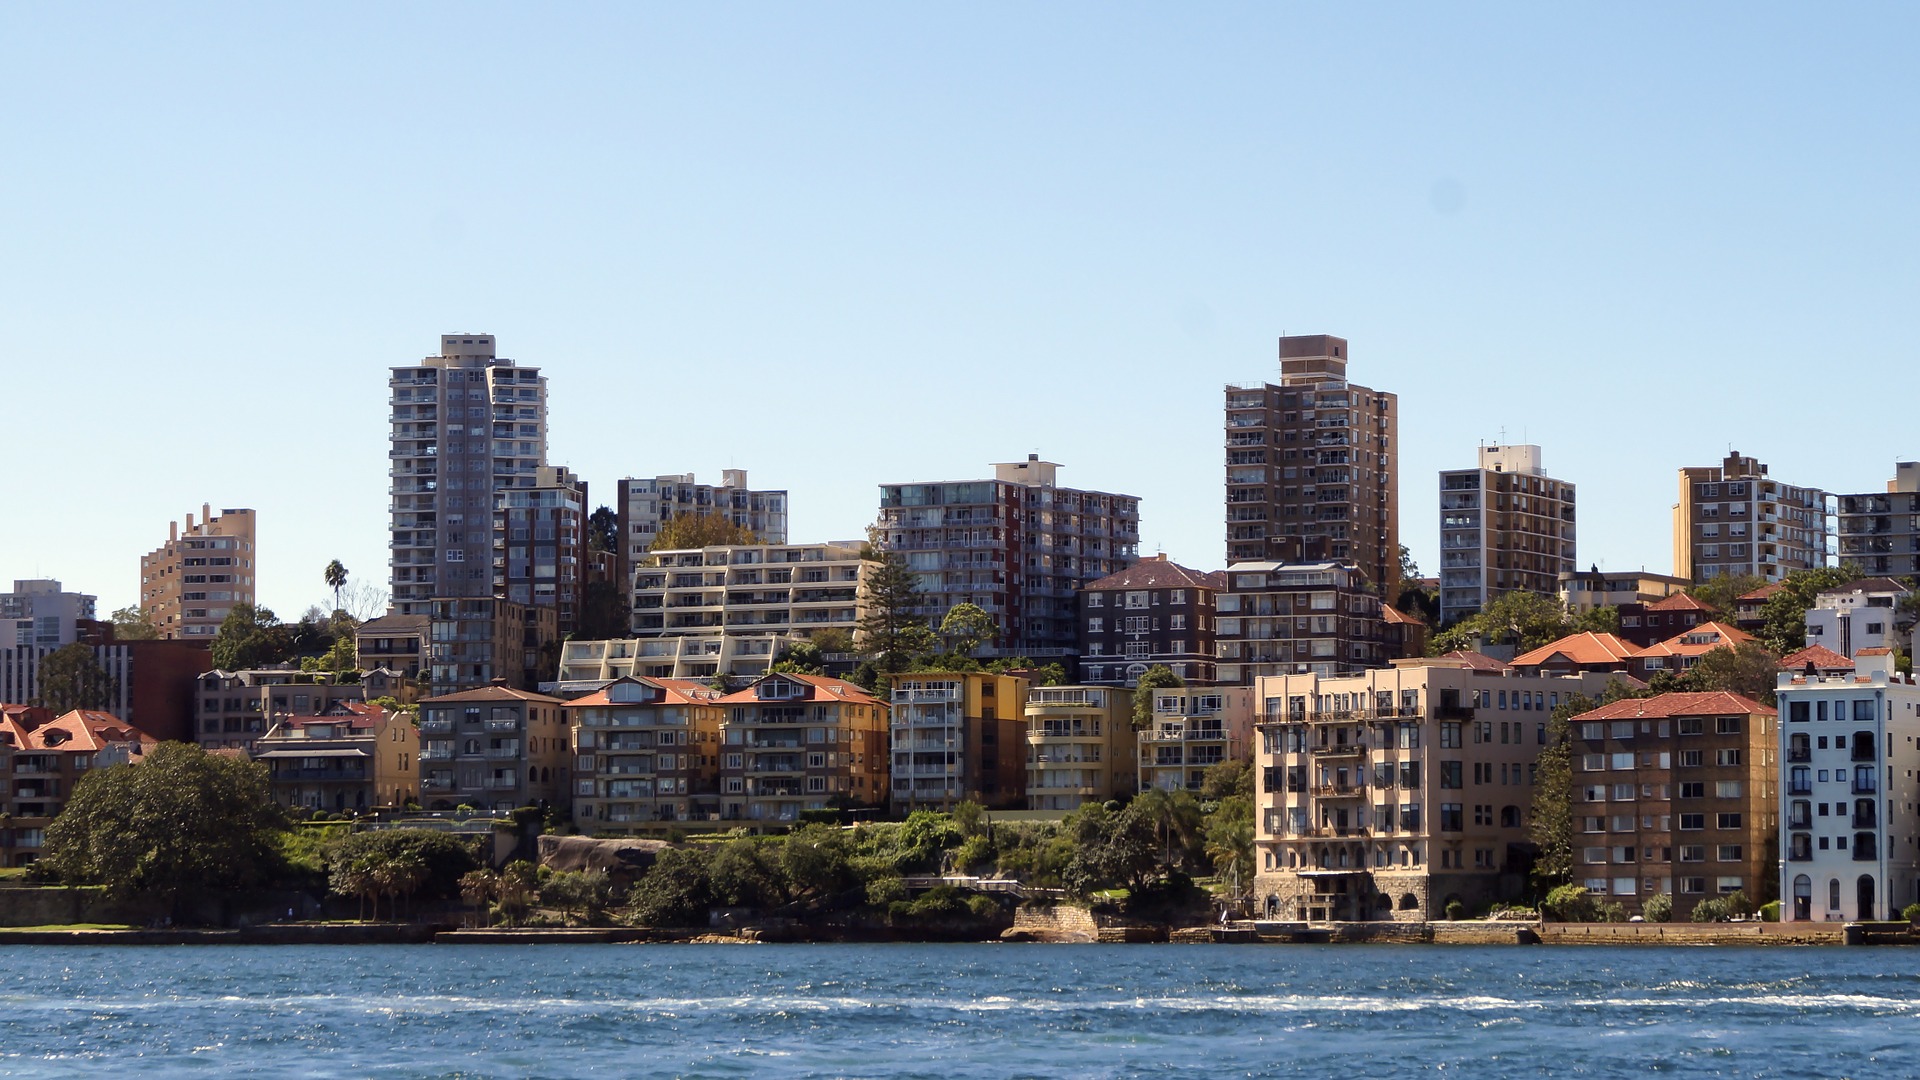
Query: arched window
x=1509, y=817
x=1802, y=898
x=1833, y=894
x=1408, y=903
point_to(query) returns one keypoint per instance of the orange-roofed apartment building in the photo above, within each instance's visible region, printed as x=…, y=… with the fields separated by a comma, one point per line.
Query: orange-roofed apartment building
x=494, y=748
x=1643, y=624
x=1675, y=794
x=801, y=742
x=1607, y=652
x=352, y=757
x=646, y=752
x=47, y=761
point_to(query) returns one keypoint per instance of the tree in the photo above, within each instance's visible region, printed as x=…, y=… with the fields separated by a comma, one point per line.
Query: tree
x=1551, y=823
x=891, y=630
x=133, y=624
x=1748, y=668
x=477, y=890
x=341, y=660
x=1157, y=677
x=400, y=862
x=965, y=628
x=179, y=824
x=700, y=530
x=336, y=577
x=251, y=637
x=800, y=658
x=832, y=639
x=1177, y=824
x=71, y=678
x=1415, y=599
x=605, y=612
x=675, y=892
x=603, y=529
x=1230, y=778
x=1721, y=593
x=1110, y=850
x=1230, y=843
x=1524, y=620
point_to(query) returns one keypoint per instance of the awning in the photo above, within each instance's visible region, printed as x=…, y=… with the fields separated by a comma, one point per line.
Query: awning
x=282, y=755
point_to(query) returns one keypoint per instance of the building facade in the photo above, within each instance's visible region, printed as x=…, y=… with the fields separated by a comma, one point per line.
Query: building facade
x=153, y=681
x=1582, y=591
x=477, y=641
x=646, y=755
x=234, y=710
x=1017, y=546
x=1192, y=730
x=1505, y=526
x=1312, y=465
x=1735, y=519
x=1675, y=794
x=1284, y=618
x=466, y=425
x=494, y=748
x=792, y=743
x=644, y=505
x=190, y=583
x=39, y=614
x=395, y=642
x=1847, y=756
x=353, y=757
x=1080, y=746
x=1865, y=613
x=540, y=545
x=45, y=762
x=1389, y=794
x=1880, y=531
x=958, y=736
x=1155, y=612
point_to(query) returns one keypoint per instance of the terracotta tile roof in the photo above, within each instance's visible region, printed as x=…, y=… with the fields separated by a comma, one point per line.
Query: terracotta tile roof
x=493, y=693
x=1585, y=650
x=1867, y=585
x=1819, y=656
x=678, y=692
x=1720, y=635
x=1678, y=602
x=1158, y=572
x=87, y=731
x=1761, y=593
x=1875, y=651
x=1395, y=616
x=820, y=688
x=1474, y=660
x=1710, y=703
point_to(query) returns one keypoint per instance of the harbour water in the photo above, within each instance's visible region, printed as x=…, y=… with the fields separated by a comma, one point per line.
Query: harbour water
x=959, y=1011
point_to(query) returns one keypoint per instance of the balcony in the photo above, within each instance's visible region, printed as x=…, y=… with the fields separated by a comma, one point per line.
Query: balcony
x=432, y=783
x=1338, y=791
x=503, y=783
x=1799, y=755
x=436, y=727
x=1800, y=787
x=1352, y=749
x=1863, y=786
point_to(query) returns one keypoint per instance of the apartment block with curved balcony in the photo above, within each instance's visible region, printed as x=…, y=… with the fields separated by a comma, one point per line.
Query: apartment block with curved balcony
x=1192, y=730
x=1080, y=746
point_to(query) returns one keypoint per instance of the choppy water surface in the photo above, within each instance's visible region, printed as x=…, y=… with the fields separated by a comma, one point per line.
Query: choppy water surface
x=959, y=1011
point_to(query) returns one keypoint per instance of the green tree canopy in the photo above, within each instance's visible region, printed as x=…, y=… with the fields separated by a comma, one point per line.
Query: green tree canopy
x=252, y=637
x=1157, y=677
x=1524, y=620
x=1785, y=612
x=891, y=630
x=605, y=612
x=700, y=530
x=179, y=824
x=133, y=624
x=800, y=658
x=1720, y=593
x=966, y=628
x=71, y=678
x=603, y=529
x=336, y=579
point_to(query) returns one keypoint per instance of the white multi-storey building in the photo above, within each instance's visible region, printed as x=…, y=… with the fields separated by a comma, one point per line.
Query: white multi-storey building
x=38, y=613
x=1505, y=526
x=644, y=505
x=465, y=424
x=1848, y=752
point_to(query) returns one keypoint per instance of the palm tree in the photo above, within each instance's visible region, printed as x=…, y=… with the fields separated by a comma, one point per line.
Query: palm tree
x=1230, y=842
x=336, y=580
x=477, y=887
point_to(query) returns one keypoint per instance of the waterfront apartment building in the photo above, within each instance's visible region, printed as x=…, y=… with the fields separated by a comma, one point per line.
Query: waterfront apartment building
x=1018, y=546
x=800, y=742
x=190, y=583
x=1505, y=526
x=646, y=754
x=958, y=736
x=1847, y=759
x=1155, y=612
x=39, y=614
x=1312, y=466
x=643, y=505
x=1080, y=746
x=1735, y=519
x=353, y=757
x=465, y=425
x=43, y=763
x=1284, y=618
x=1389, y=793
x=1675, y=794
x=1880, y=531
x=234, y=710
x=477, y=641
x=493, y=748
x=395, y=642
x=1192, y=730
x=1582, y=591
x=731, y=595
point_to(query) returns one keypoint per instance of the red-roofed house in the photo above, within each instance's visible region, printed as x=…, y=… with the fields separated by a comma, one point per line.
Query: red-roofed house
x=1645, y=624
x=1824, y=660
x=493, y=748
x=49, y=760
x=1578, y=652
x=1749, y=609
x=801, y=742
x=1674, y=794
x=1153, y=612
x=647, y=752
x=1680, y=652
x=354, y=756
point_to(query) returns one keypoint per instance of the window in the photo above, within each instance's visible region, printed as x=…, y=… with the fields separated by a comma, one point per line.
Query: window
x=1693, y=789
x=1688, y=759
x=1727, y=789
x=1690, y=725
x=1692, y=822
x=1095, y=625
x=1727, y=725
x=1451, y=817
x=1728, y=853
x=1727, y=757
x=1729, y=821
x=1693, y=853
x=1450, y=773
x=1449, y=736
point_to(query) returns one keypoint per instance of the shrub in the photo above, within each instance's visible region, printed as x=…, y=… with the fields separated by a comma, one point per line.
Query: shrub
x=1611, y=912
x=1739, y=904
x=1911, y=912
x=1712, y=909
x=1455, y=909
x=1658, y=908
x=1770, y=911
x=1569, y=903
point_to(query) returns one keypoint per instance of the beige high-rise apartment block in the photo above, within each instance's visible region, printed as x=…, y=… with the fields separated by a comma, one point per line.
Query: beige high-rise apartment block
x=1505, y=526
x=1311, y=466
x=1735, y=519
x=190, y=583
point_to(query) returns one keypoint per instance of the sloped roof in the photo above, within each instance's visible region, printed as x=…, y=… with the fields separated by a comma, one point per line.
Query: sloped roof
x=86, y=731
x=1709, y=703
x=1761, y=593
x=493, y=693
x=1867, y=585
x=1585, y=649
x=1821, y=657
x=1159, y=572
x=820, y=688
x=1678, y=602
x=1474, y=660
x=678, y=691
x=1395, y=616
x=1723, y=634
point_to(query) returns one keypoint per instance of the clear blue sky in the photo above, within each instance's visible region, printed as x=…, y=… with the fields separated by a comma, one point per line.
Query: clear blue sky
x=842, y=244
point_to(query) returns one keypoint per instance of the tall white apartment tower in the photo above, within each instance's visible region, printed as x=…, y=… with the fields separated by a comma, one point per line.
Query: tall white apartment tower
x=466, y=425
